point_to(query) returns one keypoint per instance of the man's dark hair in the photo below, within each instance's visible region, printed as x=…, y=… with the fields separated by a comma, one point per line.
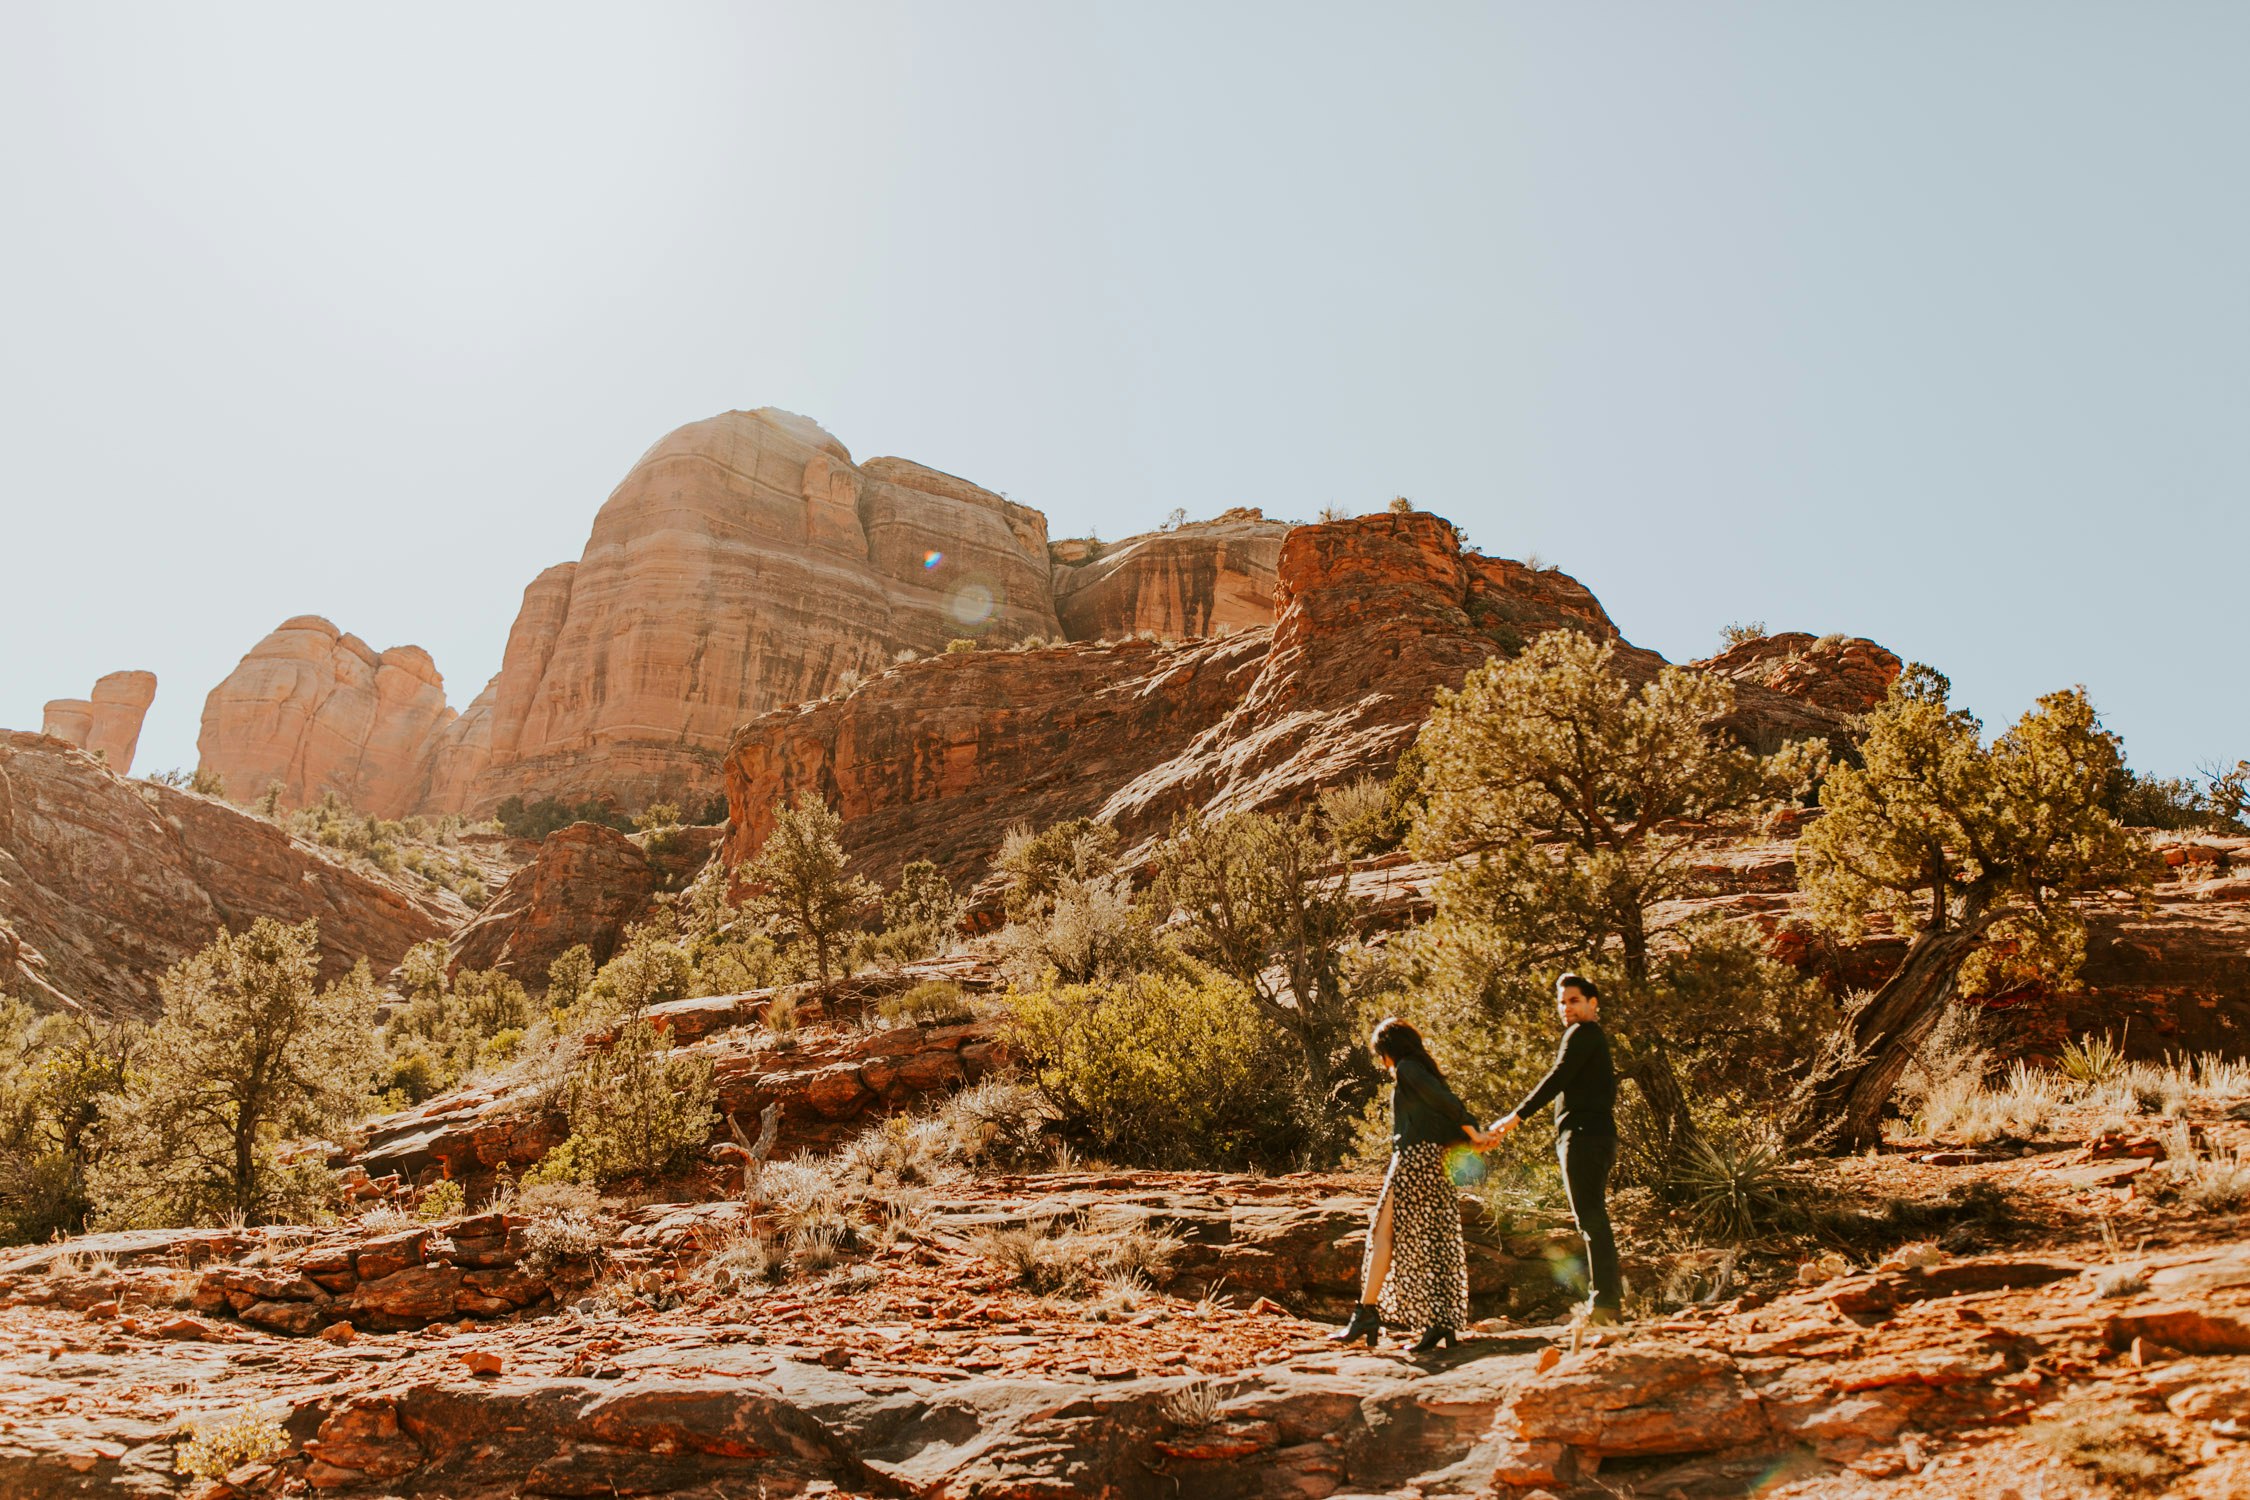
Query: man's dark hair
x=1580, y=983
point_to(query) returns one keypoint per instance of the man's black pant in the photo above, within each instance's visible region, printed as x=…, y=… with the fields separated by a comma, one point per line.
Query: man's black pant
x=1587, y=1156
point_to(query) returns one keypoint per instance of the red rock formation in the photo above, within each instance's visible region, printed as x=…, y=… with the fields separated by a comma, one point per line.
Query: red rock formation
x=1846, y=673
x=108, y=724
x=745, y=562
x=70, y=720
x=587, y=884
x=104, y=883
x=320, y=711
x=1203, y=578
x=120, y=701
x=936, y=759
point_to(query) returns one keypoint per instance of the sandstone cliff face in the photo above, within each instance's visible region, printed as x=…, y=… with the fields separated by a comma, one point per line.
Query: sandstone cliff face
x=744, y=563
x=319, y=711
x=107, y=724
x=1204, y=578
x=936, y=759
x=1846, y=673
x=104, y=883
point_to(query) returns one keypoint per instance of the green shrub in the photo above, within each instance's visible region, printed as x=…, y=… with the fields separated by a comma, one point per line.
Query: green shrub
x=960, y=643
x=60, y=1076
x=1360, y=818
x=248, y=1053
x=931, y=1000
x=568, y=976
x=923, y=912
x=639, y=1108
x=1161, y=1070
x=535, y=820
x=447, y=1027
x=659, y=824
x=442, y=1200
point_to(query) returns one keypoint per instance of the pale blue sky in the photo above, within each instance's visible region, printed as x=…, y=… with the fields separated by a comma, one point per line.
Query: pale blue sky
x=1929, y=322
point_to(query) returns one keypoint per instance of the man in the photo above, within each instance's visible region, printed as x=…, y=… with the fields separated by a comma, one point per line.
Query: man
x=1585, y=1133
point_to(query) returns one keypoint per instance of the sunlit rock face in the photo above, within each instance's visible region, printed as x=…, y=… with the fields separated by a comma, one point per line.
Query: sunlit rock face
x=109, y=723
x=107, y=882
x=313, y=709
x=744, y=563
x=1201, y=578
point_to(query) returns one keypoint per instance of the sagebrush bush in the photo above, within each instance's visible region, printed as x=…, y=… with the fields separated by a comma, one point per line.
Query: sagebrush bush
x=1162, y=1070
x=1361, y=817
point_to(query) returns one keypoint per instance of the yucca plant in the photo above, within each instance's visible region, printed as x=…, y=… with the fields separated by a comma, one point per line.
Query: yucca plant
x=1734, y=1188
x=2091, y=1061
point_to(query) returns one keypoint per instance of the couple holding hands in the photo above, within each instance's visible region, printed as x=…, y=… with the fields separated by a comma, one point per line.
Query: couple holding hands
x=1416, y=1269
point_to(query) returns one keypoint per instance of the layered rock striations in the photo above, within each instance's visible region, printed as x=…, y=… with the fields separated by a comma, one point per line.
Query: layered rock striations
x=105, y=883
x=937, y=759
x=745, y=562
x=1203, y=578
x=318, y=710
x=109, y=723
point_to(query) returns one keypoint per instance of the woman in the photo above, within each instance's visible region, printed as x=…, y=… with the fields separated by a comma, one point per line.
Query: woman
x=1415, y=1269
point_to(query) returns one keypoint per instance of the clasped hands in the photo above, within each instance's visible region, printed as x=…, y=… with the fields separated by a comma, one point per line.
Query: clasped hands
x=1494, y=1134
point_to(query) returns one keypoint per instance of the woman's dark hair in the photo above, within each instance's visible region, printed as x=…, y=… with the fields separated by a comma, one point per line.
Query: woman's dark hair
x=1580, y=983
x=1399, y=1041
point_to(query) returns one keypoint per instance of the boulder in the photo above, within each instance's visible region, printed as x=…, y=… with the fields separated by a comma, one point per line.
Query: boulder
x=1648, y=1396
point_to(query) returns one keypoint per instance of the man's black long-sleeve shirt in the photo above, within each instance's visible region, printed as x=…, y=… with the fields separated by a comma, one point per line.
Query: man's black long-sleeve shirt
x=1583, y=1079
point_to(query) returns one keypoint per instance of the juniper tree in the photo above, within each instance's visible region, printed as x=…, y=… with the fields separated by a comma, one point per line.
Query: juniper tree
x=1982, y=852
x=1267, y=903
x=58, y=1075
x=1568, y=797
x=800, y=881
x=249, y=1051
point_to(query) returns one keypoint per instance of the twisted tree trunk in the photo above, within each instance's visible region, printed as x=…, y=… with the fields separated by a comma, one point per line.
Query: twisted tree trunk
x=1842, y=1109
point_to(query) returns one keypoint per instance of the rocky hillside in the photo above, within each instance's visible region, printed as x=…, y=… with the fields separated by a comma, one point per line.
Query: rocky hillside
x=105, y=883
x=2065, y=1316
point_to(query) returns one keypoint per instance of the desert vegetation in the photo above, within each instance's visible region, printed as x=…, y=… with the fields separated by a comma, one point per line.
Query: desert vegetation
x=425, y=849
x=1201, y=1000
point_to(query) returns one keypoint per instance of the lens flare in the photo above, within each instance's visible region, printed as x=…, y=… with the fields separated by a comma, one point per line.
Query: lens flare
x=932, y=559
x=972, y=604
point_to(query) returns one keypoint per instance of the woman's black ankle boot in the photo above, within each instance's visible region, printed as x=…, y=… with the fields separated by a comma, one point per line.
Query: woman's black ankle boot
x=1366, y=1323
x=1434, y=1340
